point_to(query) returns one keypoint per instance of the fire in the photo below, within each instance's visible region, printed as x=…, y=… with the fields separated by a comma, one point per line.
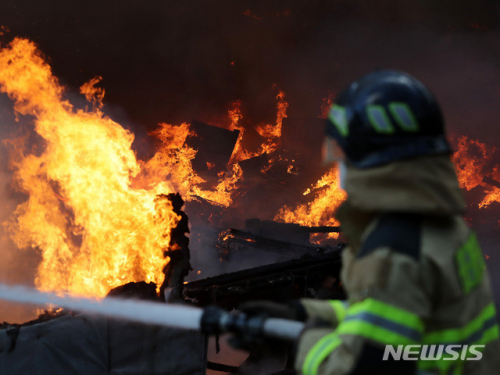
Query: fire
x=92, y=208
x=4, y=30
x=239, y=152
x=173, y=160
x=326, y=103
x=320, y=211
x=171, y=167
x=94, y=230
x=270, y=132
x=92, y=93
x=472, y=160
x=222, y=244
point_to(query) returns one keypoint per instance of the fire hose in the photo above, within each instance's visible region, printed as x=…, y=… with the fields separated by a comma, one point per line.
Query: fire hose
x=211, y=320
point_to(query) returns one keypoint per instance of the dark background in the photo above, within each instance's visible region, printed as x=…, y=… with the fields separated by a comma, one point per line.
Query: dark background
x=171, y=61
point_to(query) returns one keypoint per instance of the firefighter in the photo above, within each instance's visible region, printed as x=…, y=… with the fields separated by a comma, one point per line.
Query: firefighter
x=179, y=266
x=413, y=271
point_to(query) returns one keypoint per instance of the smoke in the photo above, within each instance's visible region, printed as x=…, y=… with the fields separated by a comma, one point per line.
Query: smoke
x=177, y=61
x=172, y=62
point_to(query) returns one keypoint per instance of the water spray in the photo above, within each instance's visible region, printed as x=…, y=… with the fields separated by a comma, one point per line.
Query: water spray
x=210, y=320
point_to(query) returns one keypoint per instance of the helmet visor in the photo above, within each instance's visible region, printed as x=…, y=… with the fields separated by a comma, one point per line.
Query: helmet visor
x=332, y=152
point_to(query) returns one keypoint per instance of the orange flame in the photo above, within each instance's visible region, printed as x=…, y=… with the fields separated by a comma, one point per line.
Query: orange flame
x=93, y=229
x=320, y=211
x=271, y=133
x=326, y=103
x=93, y=94
x=172, y=168
x=4, y=30
x=471, y=160
x=239, y=153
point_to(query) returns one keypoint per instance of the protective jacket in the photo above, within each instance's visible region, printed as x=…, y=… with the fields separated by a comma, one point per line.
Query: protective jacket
x=414, y=274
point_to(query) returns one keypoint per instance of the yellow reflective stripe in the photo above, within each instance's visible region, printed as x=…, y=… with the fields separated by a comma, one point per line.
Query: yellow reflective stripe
x=458, y=335
x=388, y=312
x=373, y=332
x=339, y=308
x=319, y=352
x=480, y=331
x=470, y=264
x=489, y=335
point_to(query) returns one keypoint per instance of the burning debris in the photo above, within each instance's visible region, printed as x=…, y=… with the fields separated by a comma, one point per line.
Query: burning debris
x=314, y=275
x=319, y=212
x=214, y=147
x=475, y=165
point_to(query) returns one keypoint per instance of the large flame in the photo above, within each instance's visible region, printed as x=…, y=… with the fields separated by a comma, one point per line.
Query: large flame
x=92, y=209
x=473, y=161
x=171, y=166
x=93, y=229
x=327, y=197
x=320, y=211
x=173, y=160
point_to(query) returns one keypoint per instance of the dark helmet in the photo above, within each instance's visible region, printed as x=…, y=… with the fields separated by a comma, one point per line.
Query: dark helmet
x=386, y=116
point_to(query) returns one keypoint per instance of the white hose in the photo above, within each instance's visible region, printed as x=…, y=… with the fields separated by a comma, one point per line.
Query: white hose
x=177, y=316
x=283, y=329
x=133, y=310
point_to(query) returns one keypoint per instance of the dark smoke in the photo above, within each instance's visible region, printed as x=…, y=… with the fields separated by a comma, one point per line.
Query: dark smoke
x=171, y=61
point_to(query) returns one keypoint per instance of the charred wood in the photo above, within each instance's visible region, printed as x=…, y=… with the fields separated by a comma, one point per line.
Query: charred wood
x=304, y=277
x=491, y=182
x=214, y=145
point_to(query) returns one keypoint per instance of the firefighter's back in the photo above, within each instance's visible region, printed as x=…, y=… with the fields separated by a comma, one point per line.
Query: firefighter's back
x=456, y=280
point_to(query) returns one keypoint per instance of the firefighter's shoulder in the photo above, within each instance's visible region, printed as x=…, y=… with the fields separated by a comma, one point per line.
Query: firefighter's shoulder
x=400, y=232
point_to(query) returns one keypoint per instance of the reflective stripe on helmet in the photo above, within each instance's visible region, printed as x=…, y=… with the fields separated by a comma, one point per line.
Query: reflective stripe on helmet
x=404, y=116
x=338, y=116
x=379, y=119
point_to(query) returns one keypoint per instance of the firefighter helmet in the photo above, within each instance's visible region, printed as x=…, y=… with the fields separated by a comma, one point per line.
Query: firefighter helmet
x=386, y=116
